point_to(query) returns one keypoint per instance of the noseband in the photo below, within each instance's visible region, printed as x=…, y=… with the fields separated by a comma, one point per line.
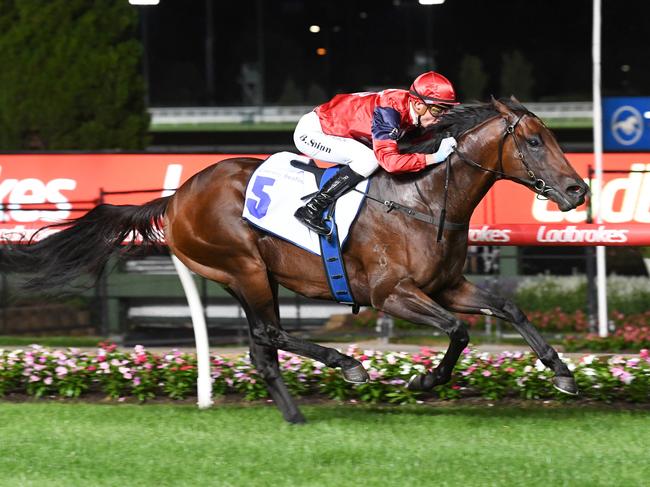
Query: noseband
x=538, y=184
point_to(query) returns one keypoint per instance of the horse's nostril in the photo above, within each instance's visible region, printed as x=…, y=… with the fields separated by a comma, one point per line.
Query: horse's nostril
x=576, y=190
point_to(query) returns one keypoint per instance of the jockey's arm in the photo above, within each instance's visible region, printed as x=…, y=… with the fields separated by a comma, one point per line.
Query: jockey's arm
x=385, y=133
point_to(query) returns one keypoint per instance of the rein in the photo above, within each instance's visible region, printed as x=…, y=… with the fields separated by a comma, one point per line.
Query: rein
x=538, y=184
x=418, y=215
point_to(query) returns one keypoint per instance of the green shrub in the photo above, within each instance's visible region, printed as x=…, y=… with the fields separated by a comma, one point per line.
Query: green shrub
x=70, y=76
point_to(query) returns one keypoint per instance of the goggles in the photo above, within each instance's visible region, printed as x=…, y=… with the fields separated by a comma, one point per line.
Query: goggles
x=436, y=109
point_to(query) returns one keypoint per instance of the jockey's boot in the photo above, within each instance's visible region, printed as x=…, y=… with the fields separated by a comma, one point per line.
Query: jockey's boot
x=311, y=215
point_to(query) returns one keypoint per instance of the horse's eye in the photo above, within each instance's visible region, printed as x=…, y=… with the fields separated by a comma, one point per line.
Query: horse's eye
x=533, y=142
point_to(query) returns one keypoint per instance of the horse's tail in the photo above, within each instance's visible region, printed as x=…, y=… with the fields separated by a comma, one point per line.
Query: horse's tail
x=84, y=245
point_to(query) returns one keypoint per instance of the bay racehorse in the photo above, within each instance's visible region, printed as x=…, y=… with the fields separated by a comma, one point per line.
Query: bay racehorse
x=395, y=263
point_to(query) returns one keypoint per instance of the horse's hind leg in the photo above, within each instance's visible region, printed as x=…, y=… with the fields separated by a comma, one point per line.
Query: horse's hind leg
x=407, y=301
x=265, y=360
x=468, y=298
x=258, y=296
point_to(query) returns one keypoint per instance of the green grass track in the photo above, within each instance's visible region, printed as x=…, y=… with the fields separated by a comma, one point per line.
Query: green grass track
x=76, y=444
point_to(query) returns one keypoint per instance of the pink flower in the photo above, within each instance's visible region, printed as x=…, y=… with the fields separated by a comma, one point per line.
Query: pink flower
x=47, y=381
x=469, y=370
x=487, y=373
x=622, y=374
x=61, y=371
x=126, y=372
x=374, y=374
x=34, y=378
x=510, y=370
x=644, y=354
x=136, y=381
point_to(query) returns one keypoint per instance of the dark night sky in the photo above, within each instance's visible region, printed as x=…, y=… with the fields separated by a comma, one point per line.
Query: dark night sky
x=372, y=44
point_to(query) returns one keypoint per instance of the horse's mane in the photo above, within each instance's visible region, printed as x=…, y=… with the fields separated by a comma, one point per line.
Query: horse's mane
x=453, y=123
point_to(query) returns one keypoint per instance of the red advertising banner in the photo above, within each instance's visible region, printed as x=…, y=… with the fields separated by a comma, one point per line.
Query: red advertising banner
x=37, y=189
x=580, y=235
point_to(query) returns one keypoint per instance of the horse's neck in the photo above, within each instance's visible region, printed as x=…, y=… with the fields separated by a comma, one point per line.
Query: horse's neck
x=424, y=190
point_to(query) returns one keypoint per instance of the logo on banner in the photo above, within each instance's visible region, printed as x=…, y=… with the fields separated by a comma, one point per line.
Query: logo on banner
x=627, y=125
x=573, y=234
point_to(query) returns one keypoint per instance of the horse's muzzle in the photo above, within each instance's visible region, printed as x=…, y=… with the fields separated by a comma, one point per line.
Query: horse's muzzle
x=572, y=195
x=578, y=192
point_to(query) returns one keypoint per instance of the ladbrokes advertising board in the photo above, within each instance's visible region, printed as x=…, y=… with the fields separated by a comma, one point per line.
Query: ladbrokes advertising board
x=36, y=190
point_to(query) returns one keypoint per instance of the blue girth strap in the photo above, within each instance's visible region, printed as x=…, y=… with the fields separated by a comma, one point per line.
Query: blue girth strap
x=330, y=249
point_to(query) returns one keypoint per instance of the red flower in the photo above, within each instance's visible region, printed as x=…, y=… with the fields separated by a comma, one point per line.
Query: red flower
x=187, y=367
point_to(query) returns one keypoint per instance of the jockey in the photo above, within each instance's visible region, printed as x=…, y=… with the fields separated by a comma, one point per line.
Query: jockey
x=344, y=129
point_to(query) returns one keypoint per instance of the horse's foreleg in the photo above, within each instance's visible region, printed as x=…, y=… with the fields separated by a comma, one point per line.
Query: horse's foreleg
x=468, y=298
x=408, y=302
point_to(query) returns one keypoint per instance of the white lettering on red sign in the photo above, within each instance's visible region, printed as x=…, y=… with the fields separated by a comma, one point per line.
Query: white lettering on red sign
x=572, y=234
x=33, y=191
x=487, y=234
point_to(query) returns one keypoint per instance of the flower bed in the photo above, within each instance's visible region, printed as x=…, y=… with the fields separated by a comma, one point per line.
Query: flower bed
x=549, y=321
x=627, y=337
x=39, y=372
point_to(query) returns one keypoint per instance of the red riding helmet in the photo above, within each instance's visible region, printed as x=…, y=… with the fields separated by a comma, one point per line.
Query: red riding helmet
x=432, y=89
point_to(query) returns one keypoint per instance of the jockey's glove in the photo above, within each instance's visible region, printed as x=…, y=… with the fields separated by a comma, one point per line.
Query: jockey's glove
x=447, y=146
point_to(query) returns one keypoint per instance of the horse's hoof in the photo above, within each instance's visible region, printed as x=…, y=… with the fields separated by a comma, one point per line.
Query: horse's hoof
x=414, y=383
x=297, y=418
x=356, y=375
x=567, y=385
x=420, y=382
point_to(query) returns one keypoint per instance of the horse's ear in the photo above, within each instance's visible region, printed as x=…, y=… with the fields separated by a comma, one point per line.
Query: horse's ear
x=501, y=107
x=513, y=99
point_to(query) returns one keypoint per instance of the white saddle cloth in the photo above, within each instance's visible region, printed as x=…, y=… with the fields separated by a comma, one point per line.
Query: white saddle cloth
x=273, y=195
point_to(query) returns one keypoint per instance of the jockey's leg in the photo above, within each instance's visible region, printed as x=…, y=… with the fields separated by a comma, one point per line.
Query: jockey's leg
x=408, y=302
x=468, y=298
x=311, y=215
x=359, y=159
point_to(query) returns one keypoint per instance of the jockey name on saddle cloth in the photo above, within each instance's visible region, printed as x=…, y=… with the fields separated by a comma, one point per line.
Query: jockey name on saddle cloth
x=274, y=193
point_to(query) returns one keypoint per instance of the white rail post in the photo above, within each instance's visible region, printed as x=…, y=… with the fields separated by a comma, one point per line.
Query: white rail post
x=204, y=380
x=601, y=265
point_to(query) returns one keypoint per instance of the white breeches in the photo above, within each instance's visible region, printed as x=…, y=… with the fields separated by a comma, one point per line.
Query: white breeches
x=311, y=141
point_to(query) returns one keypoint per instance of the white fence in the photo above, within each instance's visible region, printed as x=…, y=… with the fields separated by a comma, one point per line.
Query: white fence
x=291, y=114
